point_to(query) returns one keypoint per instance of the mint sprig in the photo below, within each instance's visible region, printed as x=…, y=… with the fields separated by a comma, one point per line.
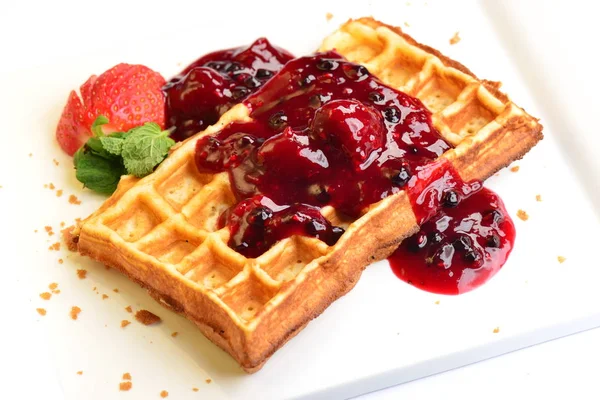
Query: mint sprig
x=104, y=158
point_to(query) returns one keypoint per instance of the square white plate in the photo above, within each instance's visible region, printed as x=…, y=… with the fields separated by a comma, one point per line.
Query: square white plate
x=383, y=332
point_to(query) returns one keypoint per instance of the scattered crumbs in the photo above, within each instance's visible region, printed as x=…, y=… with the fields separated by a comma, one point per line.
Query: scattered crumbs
x=538, y=197
x=124, y=323
x=209, y=380
x=49, y=230
x=125, y=386
x=129, y=309
x=55, y=161
x=79, y=372
x=116, y=290
x=437, y=302
x=522, y=215
x=328, y=16
x=57, y=291
x=406, y=24
x=514, y=169
x=51, y=186
x=59, y=193
x=46, y=295
x=35, y=231
x=74, y=200
x=81, y=273
x=164, y=394
x=174, y=334
x=45, y=186
x=146, y=317
x=561, y=259
x=496, y=330
x=104, y=296
x=41, y=311
x=75, y=312
x=30, y=154
x=126, y=376
x=55, y=246
x=62, y=224
x=60, y=261
x=94, y=288
x=195, y=389
x=53, y=286
x=455, y=39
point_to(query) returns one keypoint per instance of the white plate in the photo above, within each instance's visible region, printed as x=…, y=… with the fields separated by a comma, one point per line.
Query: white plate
x=383, y=332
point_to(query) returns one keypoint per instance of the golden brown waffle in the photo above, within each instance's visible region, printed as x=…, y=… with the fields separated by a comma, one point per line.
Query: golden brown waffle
x=161, y=231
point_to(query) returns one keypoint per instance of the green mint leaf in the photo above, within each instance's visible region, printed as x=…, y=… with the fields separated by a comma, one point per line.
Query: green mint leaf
x=112, y=144
x=97, y=125
x=144, y=148
x=97, y=173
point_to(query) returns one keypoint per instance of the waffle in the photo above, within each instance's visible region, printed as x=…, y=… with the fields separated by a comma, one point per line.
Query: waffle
x=161, y=231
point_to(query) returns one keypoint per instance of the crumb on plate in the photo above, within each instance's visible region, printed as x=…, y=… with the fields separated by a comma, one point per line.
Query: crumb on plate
x=116, y=290
x=129, y=309
x=514, y=169
x=195, y=389
x=437, y=302
x=125, y=386
x=164, y=394
x=174, y=334
x=146, y=317
x=60, y=261
x=53, y=286
x=46, y=295
x=538, y=197
x=208, y=380
x=124, y=323
x=75, y=312
x=41, y=311
x=406, y=24
x=79, y=372
x=104, y=296
x=55, y=161
x=328, y=16
x=561, y=259
x=82, y=273
x=522, y=215
x=455, y=39
x=55, y=246
x=49, y=230
x=126, y=376
x=74, y=200
x=59, y=193
x=496, y=330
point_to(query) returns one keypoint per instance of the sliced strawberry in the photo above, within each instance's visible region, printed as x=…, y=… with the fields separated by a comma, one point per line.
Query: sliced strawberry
x=73, y=127
x=128, y=95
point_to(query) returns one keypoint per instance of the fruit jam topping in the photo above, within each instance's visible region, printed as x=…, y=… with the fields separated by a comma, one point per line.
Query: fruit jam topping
x=324, y=132
x=461, y=247
x=257, y=223
x=202, y=92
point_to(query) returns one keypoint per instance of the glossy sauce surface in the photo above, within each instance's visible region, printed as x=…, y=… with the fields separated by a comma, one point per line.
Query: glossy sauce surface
x=461, y=247
x=211, y=85
x=324, y=132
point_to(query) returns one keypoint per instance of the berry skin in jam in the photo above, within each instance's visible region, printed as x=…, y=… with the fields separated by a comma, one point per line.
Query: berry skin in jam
x=210, y=86
x=257, y=223
x=460, y=247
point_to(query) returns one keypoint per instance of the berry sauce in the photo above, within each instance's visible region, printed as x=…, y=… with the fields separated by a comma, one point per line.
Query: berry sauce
x=257, y=223
x=211, y=85
x=324, y=131
x=461, y=247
